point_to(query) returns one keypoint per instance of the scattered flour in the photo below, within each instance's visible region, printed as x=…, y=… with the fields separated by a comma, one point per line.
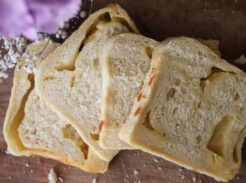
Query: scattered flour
x=52, y=177
x=135, y=172
x=94, y=180
x=83, y=14
x=193, y=178
x=12, y=49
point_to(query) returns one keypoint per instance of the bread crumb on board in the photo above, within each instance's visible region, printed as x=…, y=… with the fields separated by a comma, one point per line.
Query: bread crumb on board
x=241, y=60
x=83, y=14
x=60, y=179
x=136, y=172
x=156, y=160
x=94, y=180
x=52, y=177
x=7, y=152
x=193, y=178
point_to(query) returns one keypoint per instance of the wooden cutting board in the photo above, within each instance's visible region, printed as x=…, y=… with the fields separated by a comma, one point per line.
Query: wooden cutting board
x=222, y=20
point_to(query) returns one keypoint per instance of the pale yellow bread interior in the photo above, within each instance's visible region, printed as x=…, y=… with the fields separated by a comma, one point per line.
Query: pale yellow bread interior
x=126, y=61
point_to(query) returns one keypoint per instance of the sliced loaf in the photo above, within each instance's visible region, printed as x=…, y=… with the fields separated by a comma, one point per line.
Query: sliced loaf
x=125, y=63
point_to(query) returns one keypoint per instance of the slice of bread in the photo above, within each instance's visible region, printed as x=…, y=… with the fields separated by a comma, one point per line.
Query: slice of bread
x=31, y=128
x=126, y=60
x=71, y=79
x=193, y=112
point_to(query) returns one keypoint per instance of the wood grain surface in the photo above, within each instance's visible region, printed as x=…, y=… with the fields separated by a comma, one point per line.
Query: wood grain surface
x=222, y=20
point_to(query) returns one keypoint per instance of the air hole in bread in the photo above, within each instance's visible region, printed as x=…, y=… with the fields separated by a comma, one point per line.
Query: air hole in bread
x=72, y=81
x=214, y=71
x=106, y=17
x=89, y=36
x=69, y=132
x=215, y=157
x=33, y=131
x=95, y=136
x=122, y=21
x=96, y=63
x=220, y=138
x=171, y=93
x=199, y=104
x=238, y=146
x=183, y=90
x=236, y=155
x=241, y=109
x=198, y=139
x=70, y=67
x=48, y=78
x=177, y=81
x=149, y=52
x=175, y=110
x=147, y=122
x=13, y=134
x=149, y=126
x=236, y=97
x=200, y=53
x=177, y=126
x=85, y=150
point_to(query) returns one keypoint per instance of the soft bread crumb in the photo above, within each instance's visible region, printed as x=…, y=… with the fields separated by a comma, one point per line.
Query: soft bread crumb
x=52, y=177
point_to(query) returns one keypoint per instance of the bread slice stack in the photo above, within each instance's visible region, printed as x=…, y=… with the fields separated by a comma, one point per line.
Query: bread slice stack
x=32, y=128
x=107, y=88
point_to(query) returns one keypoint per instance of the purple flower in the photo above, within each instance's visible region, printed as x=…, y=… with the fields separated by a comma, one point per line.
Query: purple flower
x=27, y=17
